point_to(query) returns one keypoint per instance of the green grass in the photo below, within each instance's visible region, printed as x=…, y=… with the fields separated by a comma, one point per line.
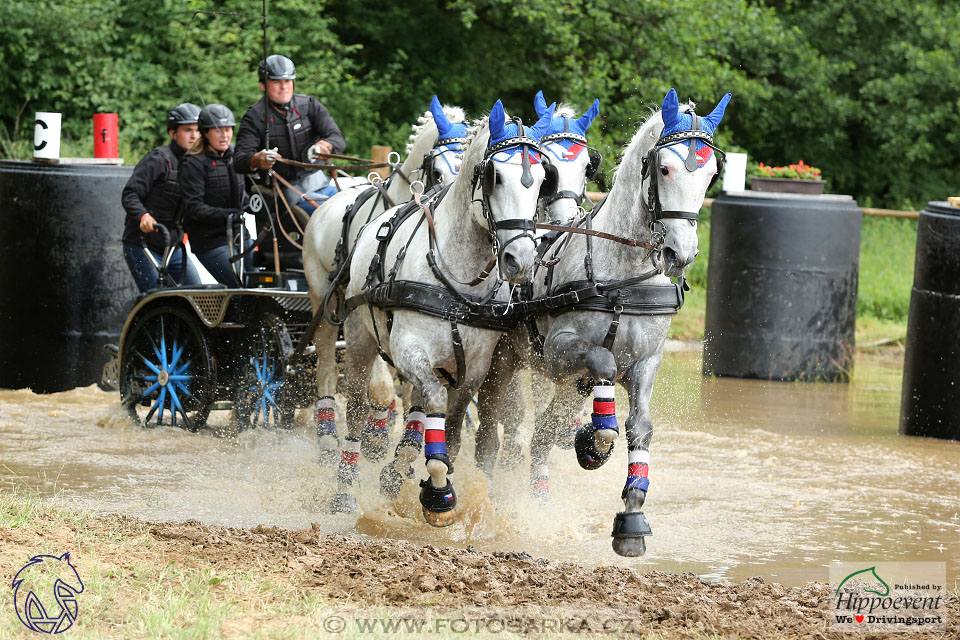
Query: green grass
x=887, y=248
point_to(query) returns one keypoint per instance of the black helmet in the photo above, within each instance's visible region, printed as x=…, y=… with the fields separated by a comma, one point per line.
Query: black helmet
x=183, y=113
x=215, y=115
x=277, y=67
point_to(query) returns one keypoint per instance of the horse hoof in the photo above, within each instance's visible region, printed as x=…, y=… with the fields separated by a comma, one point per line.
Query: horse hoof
x=439, y=505
x=373, y=444
x=585, y=445
x=629, y=547
x=391, y=481
x=343, y=503
x=629, y=530
x=440, y=520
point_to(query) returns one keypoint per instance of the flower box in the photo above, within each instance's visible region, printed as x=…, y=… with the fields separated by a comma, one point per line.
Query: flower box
x=787, y=185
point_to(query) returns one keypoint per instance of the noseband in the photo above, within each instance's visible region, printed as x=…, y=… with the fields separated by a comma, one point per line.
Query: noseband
x=651, y=167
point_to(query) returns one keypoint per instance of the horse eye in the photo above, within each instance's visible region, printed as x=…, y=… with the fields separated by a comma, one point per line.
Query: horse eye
x=664, y=171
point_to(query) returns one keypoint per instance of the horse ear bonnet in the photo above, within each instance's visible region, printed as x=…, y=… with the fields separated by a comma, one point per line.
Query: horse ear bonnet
x=594, y=167
x=551, y=179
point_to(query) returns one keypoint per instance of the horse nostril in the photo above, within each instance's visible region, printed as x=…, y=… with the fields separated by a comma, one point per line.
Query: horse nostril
x=510, y=265
x=670, y=256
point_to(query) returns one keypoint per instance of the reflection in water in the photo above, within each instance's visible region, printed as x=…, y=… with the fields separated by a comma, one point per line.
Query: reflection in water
x=747, y=478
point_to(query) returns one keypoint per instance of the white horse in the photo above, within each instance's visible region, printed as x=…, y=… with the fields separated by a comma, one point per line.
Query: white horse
x=565, y=143
x=608, y=304
x=430, y=301
x=433, y=156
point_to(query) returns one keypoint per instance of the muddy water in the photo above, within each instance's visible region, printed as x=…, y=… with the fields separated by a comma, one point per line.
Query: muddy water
x=747, y=478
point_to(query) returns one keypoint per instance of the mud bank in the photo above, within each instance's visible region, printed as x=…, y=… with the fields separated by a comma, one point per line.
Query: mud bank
x=272, y=582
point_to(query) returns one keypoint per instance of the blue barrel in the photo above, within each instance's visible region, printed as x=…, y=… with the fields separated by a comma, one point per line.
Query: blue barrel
x=930, y=399
x=64, y=286
x=782, y=286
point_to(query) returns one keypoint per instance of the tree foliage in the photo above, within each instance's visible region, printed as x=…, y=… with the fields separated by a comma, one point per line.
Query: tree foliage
x=866, y=91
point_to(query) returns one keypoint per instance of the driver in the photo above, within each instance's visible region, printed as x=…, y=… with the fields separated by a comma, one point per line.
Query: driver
x=152, y=196
x=300, y=128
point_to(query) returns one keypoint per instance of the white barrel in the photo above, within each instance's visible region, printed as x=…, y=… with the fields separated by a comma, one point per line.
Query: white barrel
x=735, y=172
x=46, y=136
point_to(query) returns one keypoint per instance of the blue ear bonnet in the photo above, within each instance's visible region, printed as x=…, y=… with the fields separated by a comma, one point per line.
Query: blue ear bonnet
x=501, y=130
x=446, y=129
x=560, y=125
x=675, y=121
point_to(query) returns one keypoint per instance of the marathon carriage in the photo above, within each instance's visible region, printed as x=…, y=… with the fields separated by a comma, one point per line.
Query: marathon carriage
x=186, y=350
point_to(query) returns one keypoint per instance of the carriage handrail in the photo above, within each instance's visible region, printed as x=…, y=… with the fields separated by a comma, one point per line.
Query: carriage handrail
x=168, y=248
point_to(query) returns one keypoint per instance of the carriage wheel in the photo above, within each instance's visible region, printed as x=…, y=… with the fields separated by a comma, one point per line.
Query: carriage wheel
x=263, y=399
x=168, y=367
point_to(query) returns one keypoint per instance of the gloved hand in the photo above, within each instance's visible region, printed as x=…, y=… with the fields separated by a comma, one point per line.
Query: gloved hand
x=264, y=159
x=320, y=148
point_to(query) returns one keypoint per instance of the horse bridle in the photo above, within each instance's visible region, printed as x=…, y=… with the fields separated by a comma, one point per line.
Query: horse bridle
x=485, y=177
x=592, y=168
x=430, y=158
x=651, y=167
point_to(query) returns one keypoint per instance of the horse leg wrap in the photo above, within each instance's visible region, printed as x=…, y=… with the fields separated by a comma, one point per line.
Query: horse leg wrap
x=435, y=448
x=595, y=444
x=437, y=496
x=348, y=477
x=567, y=434
x=392, y=475
x=373, y=438
x=327, y=430
x=638, y=465
x=540, y=483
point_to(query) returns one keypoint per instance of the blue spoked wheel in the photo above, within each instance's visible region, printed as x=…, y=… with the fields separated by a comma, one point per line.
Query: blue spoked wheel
x=263, y=393
x=167, y=374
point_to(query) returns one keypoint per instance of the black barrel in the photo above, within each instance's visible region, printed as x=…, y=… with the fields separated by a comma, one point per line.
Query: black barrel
x=64, y=286
x=782, y=286
x=930, y=400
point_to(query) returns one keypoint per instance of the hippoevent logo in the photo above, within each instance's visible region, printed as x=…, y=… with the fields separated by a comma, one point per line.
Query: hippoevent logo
x=885, y=597
x=45, y=593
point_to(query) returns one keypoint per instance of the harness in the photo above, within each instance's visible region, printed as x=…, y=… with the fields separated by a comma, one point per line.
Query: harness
x=441, y=147
x=630, y=296
x=592, y=168
x=382, y=290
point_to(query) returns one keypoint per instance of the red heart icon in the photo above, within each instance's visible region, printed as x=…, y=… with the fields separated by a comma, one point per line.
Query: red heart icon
x=858, y=618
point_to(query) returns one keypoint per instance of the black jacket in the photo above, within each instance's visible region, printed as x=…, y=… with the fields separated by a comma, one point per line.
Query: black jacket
x=307, y=122
x=212, y=191
x=153, y=189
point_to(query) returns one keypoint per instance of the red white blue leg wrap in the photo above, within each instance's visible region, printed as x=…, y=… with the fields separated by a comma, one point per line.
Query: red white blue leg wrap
x=326, y=426
x=637, y=468
x=348, y=473
x=604, y=407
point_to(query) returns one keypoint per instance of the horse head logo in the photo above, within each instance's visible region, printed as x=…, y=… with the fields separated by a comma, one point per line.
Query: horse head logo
x=34, y=581
x=883, y=590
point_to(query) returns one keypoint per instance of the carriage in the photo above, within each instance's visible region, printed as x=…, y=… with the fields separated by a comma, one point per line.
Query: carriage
x=187, y=350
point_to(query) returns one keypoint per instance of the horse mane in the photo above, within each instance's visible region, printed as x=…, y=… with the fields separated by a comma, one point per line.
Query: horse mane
x=478, y=135
x=454, y=114
x=565, y=110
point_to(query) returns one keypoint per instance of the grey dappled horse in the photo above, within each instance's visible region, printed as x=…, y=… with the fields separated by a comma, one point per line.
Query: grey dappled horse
x=479, y=227
x=565, y=144
x=613, y=303
x=433, y=157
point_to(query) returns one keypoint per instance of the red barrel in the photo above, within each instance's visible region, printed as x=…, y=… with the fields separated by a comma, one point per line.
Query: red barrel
x=105, y=135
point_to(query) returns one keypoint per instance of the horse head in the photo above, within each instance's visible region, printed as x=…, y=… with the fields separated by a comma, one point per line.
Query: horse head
x=678, y=170
x=512, y=178
x=564, y=144
x=441, y=164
